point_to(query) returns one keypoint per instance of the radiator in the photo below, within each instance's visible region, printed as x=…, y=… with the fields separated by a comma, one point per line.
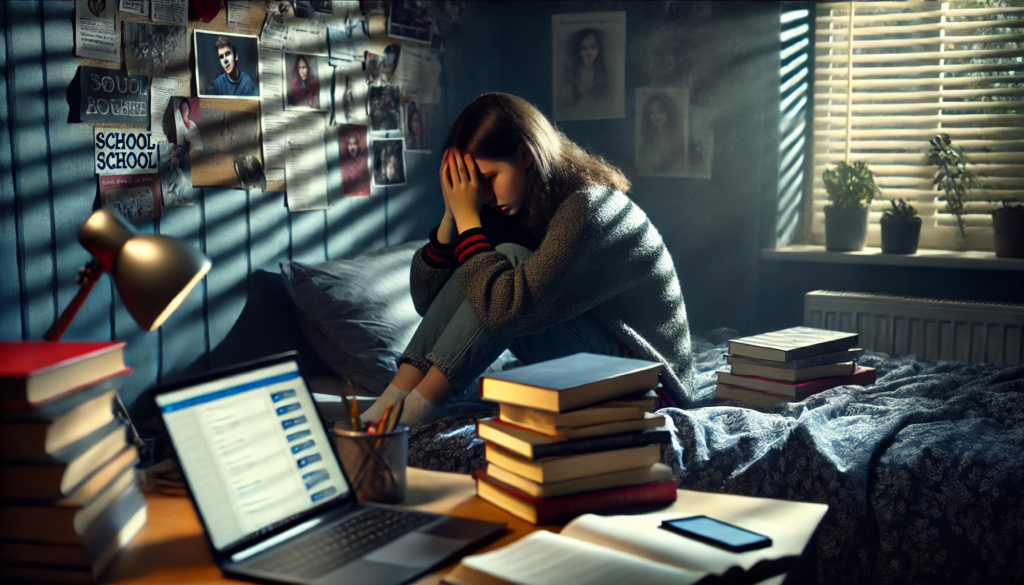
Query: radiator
x=930, y=328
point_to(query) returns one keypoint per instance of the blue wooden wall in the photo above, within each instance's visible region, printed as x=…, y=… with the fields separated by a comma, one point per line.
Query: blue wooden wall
x=48, y=188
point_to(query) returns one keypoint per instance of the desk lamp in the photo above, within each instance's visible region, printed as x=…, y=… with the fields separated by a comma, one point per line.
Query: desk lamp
x=153, y=273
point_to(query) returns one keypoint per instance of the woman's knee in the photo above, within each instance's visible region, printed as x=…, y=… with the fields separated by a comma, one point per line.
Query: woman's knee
x=514, y=252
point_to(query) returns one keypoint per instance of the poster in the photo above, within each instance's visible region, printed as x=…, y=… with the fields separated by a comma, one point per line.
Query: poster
x=120, y=152
x=388, y=160
x=416, y=138
x=175, y=176
x=134, y=197
x=97, y=30
x=308, y=82
x=355, y=166
x=156, y=49
x=227, y=65
x=109, y=95
x=588, y=53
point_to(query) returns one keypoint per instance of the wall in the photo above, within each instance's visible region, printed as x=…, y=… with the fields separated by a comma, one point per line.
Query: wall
x=47, y=189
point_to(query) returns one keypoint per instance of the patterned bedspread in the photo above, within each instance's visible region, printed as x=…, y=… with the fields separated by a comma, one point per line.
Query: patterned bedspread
x=923, y=471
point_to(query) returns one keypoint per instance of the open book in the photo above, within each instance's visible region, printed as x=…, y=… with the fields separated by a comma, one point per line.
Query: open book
x=633, y=549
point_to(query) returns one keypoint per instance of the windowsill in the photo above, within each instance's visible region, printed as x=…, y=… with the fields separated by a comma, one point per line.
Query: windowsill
x=874, y=256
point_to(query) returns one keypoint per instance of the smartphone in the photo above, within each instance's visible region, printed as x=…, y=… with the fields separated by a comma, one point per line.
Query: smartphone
x=717, y=533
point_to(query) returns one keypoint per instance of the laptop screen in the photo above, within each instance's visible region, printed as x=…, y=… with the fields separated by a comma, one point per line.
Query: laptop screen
x=252, y=449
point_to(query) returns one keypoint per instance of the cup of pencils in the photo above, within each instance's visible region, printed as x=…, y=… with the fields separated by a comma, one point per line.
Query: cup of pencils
x=375, y=455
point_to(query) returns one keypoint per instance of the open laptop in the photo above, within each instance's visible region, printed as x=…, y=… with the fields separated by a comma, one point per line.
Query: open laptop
x=271, y=493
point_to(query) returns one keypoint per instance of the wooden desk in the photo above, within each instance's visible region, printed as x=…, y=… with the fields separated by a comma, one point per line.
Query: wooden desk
x=172, y=548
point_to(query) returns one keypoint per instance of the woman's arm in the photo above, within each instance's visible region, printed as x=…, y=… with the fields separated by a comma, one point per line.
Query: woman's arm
x=434, y=264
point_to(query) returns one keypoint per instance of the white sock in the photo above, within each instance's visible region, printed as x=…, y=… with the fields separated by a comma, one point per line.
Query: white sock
x=418, y=411
x=391, y=396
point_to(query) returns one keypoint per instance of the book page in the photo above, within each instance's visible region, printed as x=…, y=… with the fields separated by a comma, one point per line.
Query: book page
x=540, y=559
x=790, y=525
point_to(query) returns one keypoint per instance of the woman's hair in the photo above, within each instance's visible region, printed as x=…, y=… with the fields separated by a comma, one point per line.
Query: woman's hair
x=348, y=139
x=673, y=124
x=496, y=125
x=184, y=103
x=413, y=111
x=295, y=67
x=600, y=69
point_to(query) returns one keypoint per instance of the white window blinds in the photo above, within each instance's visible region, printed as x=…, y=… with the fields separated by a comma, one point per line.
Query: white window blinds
x=909, y=71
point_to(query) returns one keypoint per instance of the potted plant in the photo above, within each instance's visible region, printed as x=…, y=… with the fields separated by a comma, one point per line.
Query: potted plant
x=901, y=228
x=850, y=187
x=1008, y=230
x=951, y=176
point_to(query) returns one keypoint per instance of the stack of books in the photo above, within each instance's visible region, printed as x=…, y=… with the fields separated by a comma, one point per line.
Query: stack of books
x=68, y=501
x=791, y=364
x=574, y=435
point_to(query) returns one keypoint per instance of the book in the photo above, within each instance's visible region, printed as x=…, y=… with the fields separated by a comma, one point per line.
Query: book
x=543, y=510
x=728, y=392
x=794, y=375
x=792, y=344
x=648, y=422
x=626, y=477
x=570, y=382
x=82, y=562
x=633, y=549
x=551, y=422
x=32, y=372
x=850, y=355
x=552, y=469
x=58, y=475
x=68, y=519
x=33, y=439
x=533, y=445
x=798, y=390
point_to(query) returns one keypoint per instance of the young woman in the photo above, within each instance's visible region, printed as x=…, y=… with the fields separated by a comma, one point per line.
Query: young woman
x=662, y=148
x=305, y=89
x=415, y=137
x=588, y=75
x=188, y=129
x=539, y=251
x=355, y=172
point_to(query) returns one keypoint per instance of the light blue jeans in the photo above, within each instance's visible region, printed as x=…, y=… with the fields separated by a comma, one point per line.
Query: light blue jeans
x=452, y=337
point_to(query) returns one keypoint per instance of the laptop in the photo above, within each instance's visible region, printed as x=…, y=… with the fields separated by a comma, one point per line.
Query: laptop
x=270, y=491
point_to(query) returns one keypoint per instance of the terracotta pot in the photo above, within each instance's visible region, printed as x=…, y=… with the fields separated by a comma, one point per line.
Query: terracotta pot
x=1008, y=233
x=900, y=236
x=846, y=229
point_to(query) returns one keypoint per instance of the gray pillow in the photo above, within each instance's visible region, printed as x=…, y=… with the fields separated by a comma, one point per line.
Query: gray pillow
x=357, y=313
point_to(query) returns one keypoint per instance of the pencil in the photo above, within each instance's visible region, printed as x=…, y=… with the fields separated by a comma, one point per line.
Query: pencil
x=382, y=423
x=397, y=414
x=357, y=423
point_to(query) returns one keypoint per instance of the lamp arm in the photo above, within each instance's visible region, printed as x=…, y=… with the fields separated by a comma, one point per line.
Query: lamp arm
x=87, y=277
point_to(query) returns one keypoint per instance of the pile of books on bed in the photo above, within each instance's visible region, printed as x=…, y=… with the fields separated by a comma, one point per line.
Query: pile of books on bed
x=68, y=500
x=574, y=435
x=790, y=365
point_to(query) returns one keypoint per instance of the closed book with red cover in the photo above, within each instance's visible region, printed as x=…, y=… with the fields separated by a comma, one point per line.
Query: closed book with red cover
x=32, y=372
x=541, y=510
x=862, y=377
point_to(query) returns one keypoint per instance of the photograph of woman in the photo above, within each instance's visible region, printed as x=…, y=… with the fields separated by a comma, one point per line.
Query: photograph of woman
x=355, y=169
x=388, y=163
x=303, y=83
x=175, y=176
x=589, y=65
x=539, y=251
x=415, y=129
x=186, y=122
x=661, y=132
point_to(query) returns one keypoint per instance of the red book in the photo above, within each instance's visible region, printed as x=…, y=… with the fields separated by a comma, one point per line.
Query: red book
x=542, y=510
x=32, y=372
x=800, y=390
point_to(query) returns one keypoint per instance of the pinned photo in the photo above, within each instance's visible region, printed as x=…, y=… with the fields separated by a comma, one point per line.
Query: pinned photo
x=227, y=65
x=662, y=119
x=410, y=20
x=355, y=166
x=230, y=154
x=350, y=94
x=416, y=139
x=134, y=197
x=308, y=82
x=175, y=176
x=186, y=122
x=156, y=49
x=388, y=163
x=589, y=65
x=382, y=70
x=385, y=109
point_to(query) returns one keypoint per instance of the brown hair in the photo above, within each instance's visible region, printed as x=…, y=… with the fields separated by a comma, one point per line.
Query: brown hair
x=495, y=125
x=224, y=43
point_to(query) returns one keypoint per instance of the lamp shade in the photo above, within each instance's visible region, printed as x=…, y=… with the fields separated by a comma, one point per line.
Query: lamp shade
x=152, y=273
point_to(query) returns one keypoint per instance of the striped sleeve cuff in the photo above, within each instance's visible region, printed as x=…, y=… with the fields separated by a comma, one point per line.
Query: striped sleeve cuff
x=439, y=255
x=470, y=243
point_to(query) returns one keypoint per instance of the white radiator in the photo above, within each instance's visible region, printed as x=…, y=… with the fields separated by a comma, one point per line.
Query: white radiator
x=930, y=328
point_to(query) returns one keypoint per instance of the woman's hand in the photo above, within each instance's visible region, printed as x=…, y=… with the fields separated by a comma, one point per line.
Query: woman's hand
x=462, y=187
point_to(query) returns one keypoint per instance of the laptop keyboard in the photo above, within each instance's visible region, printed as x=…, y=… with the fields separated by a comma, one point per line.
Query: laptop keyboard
x=342, y=543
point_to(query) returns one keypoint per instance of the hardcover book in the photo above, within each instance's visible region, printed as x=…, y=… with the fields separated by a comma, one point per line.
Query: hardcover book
x=32, y=372
x=633, y=476
x=797, y=390
x=794, y=375
x=552, y=469
x=792, y=344
x=850, y=355
x=533, y=445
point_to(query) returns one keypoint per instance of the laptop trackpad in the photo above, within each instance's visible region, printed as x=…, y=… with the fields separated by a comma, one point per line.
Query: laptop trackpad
x=416, y=550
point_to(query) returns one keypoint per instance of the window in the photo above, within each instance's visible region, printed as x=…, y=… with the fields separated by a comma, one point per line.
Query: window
x=909, y=71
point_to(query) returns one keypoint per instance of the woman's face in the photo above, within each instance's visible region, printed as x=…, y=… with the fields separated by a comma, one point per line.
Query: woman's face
x=505, y=182
x=184, y=111
x=353, y=146
x=657, y=115
x=588, y=50
x=303, y=70
x=414, y=124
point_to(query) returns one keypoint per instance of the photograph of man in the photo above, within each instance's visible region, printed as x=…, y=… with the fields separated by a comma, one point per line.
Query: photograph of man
x=226, y=65
x=388, y=163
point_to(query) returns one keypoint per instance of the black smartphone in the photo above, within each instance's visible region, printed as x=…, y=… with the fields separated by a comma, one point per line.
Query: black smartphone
x=717, y=533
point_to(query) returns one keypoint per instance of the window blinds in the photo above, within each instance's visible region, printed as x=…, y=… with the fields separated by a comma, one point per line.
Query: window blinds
x=909, y=71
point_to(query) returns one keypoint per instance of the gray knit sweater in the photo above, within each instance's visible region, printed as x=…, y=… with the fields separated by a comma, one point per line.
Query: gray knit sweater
x=601, y=255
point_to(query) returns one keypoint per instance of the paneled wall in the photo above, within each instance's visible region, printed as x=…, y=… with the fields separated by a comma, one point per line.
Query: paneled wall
x=48, y=188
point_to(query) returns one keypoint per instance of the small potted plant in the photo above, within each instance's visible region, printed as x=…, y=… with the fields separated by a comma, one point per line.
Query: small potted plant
x=951, y=176
x=901, y=228
x=1008, y=230
x=850, y=187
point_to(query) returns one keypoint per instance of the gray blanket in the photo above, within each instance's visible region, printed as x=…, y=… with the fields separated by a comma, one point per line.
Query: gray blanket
x=922, y=471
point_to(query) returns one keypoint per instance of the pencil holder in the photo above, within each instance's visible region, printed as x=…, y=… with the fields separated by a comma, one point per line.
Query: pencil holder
x=375, y=464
